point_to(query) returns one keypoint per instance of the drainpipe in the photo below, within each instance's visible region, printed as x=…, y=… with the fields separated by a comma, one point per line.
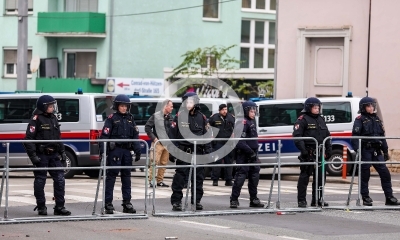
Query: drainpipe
x=111, y=16
x=369, y=37
x=276, y=48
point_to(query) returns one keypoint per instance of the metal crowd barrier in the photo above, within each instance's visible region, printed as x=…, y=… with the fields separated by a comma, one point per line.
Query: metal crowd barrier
x=358, y=163
x=193, y=166
x=102, y=173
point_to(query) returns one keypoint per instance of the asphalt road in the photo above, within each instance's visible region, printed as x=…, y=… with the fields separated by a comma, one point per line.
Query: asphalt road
x=327, y=224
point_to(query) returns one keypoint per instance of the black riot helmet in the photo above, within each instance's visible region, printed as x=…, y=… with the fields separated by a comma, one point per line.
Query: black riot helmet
x=249, y=105
x=311, y=102
x=121, y=99
x=44, y=101
x=194, y=97
x=364, y=102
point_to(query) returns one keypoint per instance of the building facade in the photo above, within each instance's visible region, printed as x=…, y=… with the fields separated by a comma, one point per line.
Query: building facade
x=331, y=47
x=83, y=42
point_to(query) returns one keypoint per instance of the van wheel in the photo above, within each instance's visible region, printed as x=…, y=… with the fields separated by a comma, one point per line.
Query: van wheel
x=92, y=173
x=335, y=169
x=70, y=162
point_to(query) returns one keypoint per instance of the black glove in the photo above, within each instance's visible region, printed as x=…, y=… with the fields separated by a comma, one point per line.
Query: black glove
x=386, y=156
x=100, y=157
x=253, y=157
x=137, y=157
x=304, y=155
x=328, y=154
x=172, y=158
x=35, y=159
x=63, y=157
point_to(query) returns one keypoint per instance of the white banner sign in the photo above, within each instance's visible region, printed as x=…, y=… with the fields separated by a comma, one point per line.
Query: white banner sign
x=144, y=86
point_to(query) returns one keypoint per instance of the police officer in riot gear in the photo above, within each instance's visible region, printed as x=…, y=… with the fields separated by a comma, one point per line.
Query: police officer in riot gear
x=372, y=150
x=225, y=122
x=120, y=125
x=198, y=125
x=44, y=126
x=311, y=124
x=247, y=152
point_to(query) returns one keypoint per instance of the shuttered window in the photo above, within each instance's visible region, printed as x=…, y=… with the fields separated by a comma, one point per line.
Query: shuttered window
x=81, y=5
x=12, y=6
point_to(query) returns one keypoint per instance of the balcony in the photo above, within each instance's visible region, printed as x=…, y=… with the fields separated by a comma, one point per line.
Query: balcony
x=71, y=24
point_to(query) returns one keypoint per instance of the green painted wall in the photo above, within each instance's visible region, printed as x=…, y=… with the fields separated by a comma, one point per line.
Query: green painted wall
x=67, y=85
x=143, y=45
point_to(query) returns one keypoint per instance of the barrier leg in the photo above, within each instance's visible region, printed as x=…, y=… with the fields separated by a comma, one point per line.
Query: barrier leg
x=98, y=188
x=272, y=186
x=2, y=186
x=351, y=183
x=7, y=163
x=278, y=202
x=188, y=186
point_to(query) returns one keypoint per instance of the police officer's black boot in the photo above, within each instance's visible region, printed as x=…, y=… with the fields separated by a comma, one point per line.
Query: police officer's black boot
x=42, y=210
x=392, y=201
x=199, y=206
x=234, y=203
x=302, y=204
x=255, y=202
x=61, y=211
x=215, y=182
x=128, y=207
x=228, y=183
x=367, y=201
x=177, y=206
x=319, y=203
x=109, y=208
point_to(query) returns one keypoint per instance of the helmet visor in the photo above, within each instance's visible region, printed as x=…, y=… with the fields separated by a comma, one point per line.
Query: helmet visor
x=313, y=108
x=51, y=107
x=253, y=109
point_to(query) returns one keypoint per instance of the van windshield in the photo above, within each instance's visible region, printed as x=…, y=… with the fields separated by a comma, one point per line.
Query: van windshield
x=103, y=108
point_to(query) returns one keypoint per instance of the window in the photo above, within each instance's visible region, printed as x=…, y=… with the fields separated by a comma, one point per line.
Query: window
x=10, y=63
x=279, y=114
x=211, y=9
x=12, y=7
x=68, y=110
x=337, y=112
x=259, y=5
x=257, y=44
x=210, y=62
x=80, y=64
x=81, y=5
x=16, y=110
x=287, y=114
x=142, y=111
x=103, y=108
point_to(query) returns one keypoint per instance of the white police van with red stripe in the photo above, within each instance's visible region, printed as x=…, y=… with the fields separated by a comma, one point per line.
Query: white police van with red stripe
x=81, y=117
x=277, y=117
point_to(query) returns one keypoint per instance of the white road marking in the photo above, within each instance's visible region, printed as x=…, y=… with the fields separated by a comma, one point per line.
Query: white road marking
x=204, y=224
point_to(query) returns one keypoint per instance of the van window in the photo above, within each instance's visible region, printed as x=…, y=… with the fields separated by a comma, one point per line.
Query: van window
x=68, y=110
x=279, y=114
x=337, y=112
x=142, y=111
x=206, y=109
x=103, y=108
x=16, y=110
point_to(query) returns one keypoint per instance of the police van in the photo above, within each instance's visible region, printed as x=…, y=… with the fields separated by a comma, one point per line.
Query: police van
x=81, y=116
x=277, y=117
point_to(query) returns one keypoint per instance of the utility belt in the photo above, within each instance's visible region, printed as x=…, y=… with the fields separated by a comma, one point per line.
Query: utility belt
x=239, y=151
x=190, y=149
x=372, y=145
x=127, y=146
x=47, y=150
